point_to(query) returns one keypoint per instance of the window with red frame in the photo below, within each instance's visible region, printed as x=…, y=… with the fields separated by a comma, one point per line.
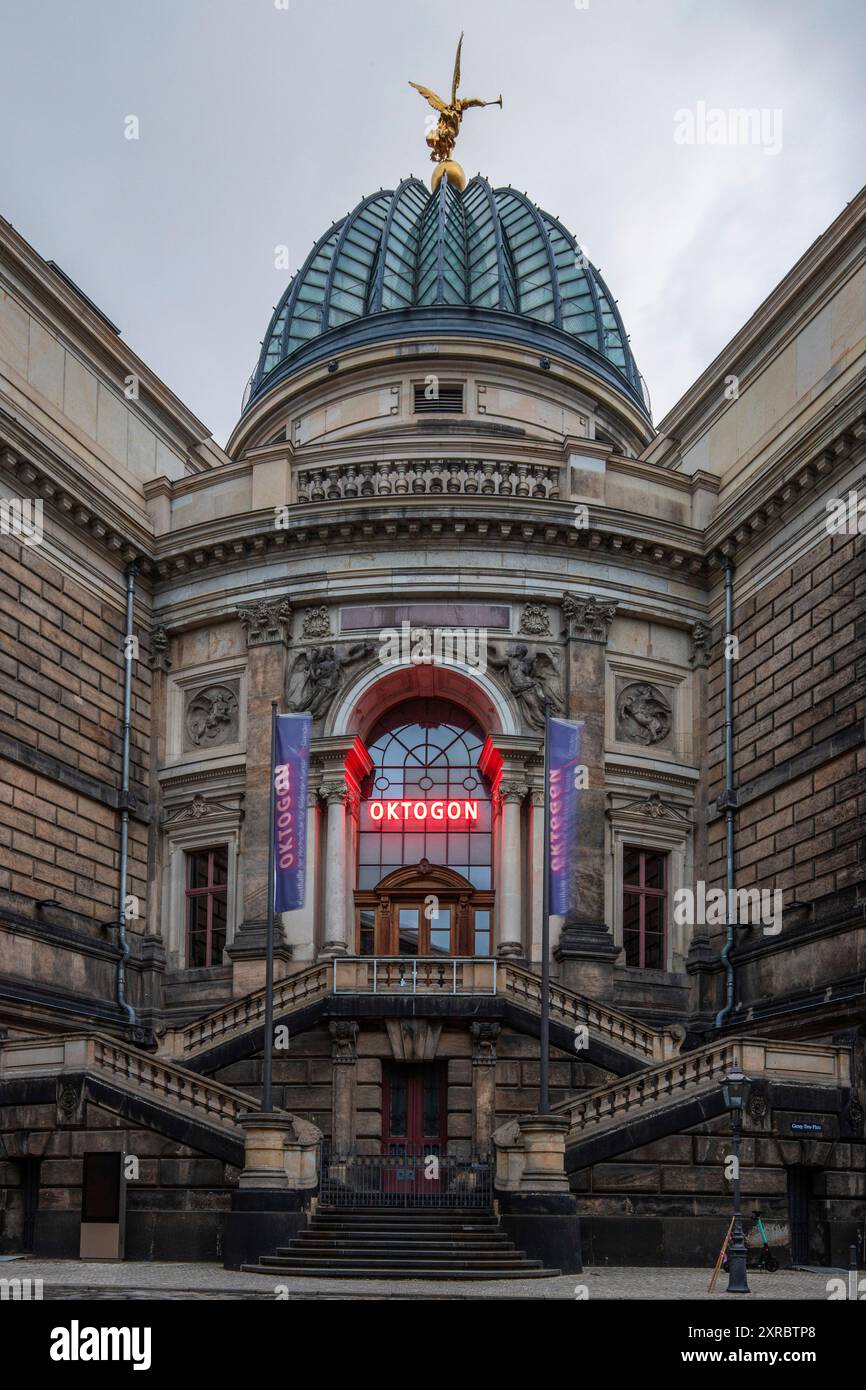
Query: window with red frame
x=644, y=907
x=206, y=905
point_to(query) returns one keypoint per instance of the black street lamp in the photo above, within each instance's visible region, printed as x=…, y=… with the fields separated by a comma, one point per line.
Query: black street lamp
x=735, y=1088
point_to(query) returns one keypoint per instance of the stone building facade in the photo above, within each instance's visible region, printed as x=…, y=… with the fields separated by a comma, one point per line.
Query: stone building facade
x=446, y=433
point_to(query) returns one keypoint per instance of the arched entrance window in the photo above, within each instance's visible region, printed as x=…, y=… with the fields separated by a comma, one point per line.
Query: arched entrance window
x=425, y=843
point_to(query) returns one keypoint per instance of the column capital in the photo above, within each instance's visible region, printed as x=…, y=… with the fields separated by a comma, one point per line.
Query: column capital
x=587, y=619
x=484, y=1040
x=344, y=1041
x=266, y=621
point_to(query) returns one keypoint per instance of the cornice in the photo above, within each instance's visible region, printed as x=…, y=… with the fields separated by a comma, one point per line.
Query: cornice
x=479, y=521
x=758, y=510
x=98, y=521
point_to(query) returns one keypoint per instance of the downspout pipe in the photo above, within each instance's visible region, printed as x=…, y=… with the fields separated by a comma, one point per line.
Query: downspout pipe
x=728, y=801
x=124, y=798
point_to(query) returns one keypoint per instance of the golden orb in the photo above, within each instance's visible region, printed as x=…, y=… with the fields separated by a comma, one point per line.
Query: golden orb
x=454, y=173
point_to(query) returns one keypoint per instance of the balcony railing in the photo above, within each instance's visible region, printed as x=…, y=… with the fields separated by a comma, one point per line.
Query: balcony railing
x=414, y=975
x=428, y=477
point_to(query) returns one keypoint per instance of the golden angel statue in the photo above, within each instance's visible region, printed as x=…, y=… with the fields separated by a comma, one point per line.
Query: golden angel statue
x=442, y=137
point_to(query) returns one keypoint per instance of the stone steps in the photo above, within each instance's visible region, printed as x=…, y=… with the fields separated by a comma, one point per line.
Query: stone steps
x=402, y=1244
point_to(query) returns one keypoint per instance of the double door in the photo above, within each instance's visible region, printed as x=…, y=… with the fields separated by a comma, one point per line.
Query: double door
x=413, y=1128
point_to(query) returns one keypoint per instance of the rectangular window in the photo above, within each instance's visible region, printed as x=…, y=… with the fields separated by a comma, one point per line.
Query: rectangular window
x=206, y=905
x=644, y=907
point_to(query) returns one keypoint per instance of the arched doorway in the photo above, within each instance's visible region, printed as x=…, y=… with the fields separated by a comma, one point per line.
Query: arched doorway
x=425, y=871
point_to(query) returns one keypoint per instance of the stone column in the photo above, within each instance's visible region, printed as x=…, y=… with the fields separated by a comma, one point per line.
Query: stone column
x=346, y=763
x=266, y=625
x=484, y=1038
x=586, y=949
x=511, y=907
x=344, y=1056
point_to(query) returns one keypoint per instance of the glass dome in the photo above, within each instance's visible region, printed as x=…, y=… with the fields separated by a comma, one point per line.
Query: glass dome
x=485, y=261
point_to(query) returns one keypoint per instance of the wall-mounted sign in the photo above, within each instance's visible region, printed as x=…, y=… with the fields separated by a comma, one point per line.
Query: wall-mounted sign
x=807, y=1127
x=416, y=812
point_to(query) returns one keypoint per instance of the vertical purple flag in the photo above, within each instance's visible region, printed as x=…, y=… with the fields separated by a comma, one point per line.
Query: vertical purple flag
x=290, y=775
x=565, y=737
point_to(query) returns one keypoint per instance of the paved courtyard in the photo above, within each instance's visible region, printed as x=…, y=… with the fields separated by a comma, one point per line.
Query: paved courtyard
x=72, y=1279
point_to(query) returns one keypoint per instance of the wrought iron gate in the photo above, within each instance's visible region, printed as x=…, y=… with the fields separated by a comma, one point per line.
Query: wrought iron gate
x=408, y=1175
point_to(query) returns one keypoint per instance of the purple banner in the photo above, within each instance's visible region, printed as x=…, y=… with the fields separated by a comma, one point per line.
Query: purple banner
x=565, y=737
x=290, y=776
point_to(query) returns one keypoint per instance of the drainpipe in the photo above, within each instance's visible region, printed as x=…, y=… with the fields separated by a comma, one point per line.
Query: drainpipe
x=728, y=800
x=124, y=799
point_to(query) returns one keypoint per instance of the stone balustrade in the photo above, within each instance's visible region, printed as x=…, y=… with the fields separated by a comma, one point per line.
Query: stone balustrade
x=693, y=1073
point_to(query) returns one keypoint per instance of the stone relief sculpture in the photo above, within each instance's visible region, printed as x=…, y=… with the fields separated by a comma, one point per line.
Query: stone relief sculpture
x=643, y=715
x=533, y=678
x=535, y=620
x=212, y=716
x=316, y=675
x=316, y=622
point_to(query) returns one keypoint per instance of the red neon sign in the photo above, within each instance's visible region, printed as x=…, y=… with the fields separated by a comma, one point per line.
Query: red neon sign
x=421, y=811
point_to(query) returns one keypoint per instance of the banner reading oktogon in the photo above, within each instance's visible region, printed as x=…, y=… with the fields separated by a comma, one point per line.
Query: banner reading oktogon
x=564, y=769
x=289, y=777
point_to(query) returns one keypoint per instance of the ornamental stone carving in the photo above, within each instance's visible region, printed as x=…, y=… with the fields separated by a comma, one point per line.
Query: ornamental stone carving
x=643, y=715
x=344, y=1038
x=316, y=622
x=700, y=643
x=484, y=1039
x=159, y=657
x=532, y=677
x=212, y=716
x=587, y=620
x=265, y=621
x=535, y=620
x=317, y=674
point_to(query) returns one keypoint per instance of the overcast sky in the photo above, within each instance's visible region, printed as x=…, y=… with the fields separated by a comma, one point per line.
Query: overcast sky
x=262, y=122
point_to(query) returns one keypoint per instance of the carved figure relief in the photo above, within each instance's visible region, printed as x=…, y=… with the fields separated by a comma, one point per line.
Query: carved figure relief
x=643, y=715
x=533, y=678
x=212, y=716
x=317, y=674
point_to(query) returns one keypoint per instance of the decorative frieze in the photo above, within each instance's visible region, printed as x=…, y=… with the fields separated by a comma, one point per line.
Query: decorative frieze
x=428, y=477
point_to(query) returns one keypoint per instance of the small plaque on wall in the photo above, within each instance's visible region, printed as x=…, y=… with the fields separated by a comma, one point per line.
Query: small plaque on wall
x=807, y=1127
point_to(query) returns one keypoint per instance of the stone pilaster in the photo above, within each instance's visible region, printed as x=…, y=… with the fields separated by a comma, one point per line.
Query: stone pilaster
x=586, y=950
x=344, y=1058
x=511, y=795
x=266, y=629
x=484, y=1039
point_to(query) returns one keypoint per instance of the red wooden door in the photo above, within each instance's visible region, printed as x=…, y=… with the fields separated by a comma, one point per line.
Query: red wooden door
x=413, y=1128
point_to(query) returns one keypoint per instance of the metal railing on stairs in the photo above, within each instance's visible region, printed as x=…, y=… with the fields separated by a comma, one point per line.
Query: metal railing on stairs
x=405, y=1176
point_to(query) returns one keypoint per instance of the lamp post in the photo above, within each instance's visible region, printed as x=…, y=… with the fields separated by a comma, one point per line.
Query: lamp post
x=735, y=1088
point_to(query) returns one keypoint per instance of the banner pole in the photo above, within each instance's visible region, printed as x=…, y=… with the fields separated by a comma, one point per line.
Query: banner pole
x=544, y=1068
x=268, y=1054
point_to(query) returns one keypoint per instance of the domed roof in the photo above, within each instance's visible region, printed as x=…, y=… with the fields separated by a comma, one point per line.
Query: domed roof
x=485, y=261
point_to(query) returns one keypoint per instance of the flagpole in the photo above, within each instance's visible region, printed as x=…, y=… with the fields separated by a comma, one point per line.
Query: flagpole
x=268, y=1055
x=544, y=1069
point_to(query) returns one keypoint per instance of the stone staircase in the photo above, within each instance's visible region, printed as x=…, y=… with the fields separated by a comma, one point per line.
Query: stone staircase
x=686, y=1090
x=616, y=1040
x=384, y=1243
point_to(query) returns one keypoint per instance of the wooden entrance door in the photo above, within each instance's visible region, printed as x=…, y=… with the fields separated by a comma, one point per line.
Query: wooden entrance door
x=413, y=1126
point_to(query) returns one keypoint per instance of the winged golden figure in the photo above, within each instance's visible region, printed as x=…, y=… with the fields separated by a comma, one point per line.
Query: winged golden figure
x=442, y=137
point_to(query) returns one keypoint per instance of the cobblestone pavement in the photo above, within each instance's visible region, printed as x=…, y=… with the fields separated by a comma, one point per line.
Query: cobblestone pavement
x=70, y=1279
